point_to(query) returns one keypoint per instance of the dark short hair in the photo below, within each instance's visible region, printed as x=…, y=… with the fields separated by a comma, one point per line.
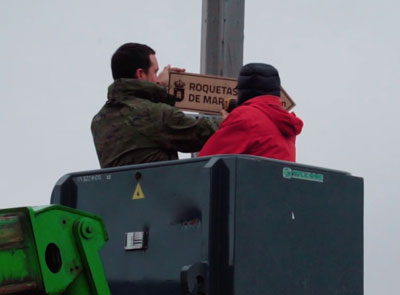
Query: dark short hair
x=130, y=57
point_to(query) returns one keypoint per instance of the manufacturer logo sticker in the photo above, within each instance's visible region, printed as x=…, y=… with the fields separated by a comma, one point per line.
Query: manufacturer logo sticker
x=289, y=173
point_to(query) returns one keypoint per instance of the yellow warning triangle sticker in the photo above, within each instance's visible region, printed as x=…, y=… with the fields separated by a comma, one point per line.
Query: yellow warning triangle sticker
x=138, y=194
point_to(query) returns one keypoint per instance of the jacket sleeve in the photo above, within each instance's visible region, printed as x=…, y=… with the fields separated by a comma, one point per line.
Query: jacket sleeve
x=231, y=138
x=184, y=133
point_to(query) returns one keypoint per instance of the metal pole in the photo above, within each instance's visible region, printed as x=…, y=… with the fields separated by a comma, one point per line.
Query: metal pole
x=222, y=37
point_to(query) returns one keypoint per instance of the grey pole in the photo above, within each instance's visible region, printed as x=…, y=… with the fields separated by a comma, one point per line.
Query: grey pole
x=222, y=37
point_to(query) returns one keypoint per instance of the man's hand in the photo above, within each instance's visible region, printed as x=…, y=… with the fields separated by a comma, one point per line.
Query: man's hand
x=164, y=75
x=224, y=114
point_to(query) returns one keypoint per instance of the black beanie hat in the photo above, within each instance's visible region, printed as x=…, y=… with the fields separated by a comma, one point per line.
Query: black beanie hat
x=257, y=79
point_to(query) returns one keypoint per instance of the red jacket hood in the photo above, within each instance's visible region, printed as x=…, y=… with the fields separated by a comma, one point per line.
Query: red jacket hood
x=288, y=124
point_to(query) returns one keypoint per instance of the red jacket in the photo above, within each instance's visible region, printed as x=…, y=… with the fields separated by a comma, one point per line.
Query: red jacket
x=260, y=127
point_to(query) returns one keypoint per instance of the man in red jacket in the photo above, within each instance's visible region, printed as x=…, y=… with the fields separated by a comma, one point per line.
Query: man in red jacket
x=259, y=126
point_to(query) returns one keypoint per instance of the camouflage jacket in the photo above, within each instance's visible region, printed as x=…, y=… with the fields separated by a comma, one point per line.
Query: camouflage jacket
x=139, y=124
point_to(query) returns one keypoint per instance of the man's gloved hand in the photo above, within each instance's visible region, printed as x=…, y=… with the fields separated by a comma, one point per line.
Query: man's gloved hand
x=230, y=104
x=164, y=75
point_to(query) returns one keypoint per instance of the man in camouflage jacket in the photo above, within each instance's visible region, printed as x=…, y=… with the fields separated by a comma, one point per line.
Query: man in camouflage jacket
x=139, y=123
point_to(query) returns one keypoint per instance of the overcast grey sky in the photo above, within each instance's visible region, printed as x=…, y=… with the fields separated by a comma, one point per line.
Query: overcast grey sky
x=339, y=60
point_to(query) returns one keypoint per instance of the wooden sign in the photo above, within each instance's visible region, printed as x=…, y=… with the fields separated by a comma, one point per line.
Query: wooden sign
x=208, y=94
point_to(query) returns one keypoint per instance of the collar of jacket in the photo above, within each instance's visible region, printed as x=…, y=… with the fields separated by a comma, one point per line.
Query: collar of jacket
x=265, y=99
x=123, y=89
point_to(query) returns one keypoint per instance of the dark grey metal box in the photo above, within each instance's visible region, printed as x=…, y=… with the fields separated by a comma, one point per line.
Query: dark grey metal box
x=225, y=225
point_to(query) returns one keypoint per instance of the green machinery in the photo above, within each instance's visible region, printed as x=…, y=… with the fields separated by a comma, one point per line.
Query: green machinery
x=51, y=250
